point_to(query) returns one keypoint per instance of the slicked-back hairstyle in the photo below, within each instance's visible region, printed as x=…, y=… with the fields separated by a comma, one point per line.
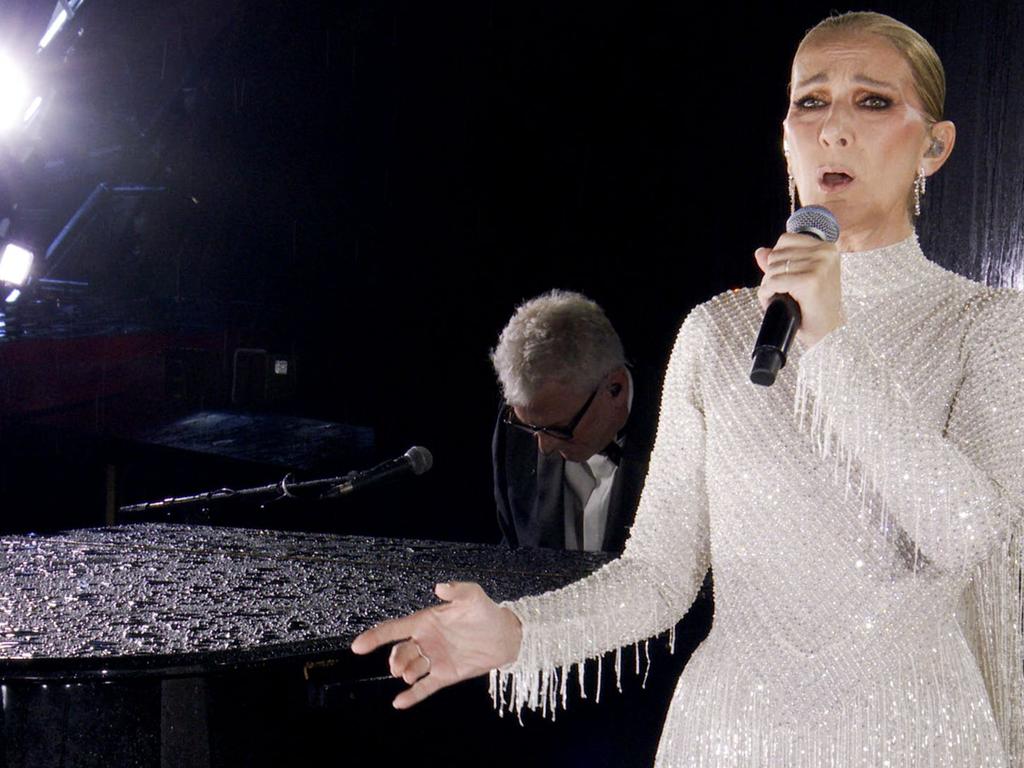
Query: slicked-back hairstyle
x=925, y=65
x=558, y=336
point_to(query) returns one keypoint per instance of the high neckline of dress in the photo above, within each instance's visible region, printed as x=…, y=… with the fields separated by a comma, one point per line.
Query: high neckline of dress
x=891, y=267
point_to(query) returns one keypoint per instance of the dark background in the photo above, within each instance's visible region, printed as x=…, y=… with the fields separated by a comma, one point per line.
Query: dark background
x=369, y=188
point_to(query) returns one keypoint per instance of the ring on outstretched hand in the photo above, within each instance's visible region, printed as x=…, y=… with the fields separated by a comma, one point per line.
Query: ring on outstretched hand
x=787, y=266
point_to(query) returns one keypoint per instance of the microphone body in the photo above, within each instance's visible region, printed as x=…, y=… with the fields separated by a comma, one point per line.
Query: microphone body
x=415, y=461
x=782, y=318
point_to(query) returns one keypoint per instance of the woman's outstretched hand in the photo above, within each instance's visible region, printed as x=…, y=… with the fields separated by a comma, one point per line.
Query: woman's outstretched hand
x=808, y=270
x=467, y=635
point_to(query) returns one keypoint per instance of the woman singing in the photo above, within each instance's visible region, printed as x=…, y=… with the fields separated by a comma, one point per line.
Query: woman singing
x=863, y=516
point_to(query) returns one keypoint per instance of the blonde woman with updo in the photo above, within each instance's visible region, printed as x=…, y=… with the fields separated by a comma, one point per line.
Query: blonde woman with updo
x=863, y=516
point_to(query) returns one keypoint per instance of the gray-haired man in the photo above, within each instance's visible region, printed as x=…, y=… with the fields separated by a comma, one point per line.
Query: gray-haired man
x=574, y=434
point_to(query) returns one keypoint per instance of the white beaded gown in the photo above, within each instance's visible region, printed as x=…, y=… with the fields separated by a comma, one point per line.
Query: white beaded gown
x=863, y=518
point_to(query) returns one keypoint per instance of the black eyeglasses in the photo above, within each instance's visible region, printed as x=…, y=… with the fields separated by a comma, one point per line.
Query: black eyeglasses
x=559, y=433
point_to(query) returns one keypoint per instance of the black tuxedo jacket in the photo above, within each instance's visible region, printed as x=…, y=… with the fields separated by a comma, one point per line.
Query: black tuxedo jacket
x=528, y=488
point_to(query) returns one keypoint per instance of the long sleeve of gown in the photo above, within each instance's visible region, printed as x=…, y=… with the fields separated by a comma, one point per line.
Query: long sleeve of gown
x=953, y=492
x=957, y=492
x=651, y=586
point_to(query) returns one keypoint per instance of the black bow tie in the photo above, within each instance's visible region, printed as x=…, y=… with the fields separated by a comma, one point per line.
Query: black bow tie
x=613, y=452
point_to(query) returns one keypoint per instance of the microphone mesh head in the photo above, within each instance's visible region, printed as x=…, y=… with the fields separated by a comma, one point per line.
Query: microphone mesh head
x=420, y=459
x=814, y=220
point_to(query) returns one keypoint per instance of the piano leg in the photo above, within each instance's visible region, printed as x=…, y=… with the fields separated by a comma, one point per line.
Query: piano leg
x=184, y=729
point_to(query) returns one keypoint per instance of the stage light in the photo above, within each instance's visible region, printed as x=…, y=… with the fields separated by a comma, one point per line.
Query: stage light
x=58, y=21
x=62, y=12
x=15, y=263
x=33, y=108
x=13, y=93
x=13, y=296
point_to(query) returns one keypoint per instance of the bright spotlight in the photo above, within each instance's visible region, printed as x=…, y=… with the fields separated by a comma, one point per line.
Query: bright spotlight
x=13, y=93
x=15, y=262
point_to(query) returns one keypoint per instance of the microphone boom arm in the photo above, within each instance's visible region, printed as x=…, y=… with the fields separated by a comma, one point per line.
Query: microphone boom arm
x=286, y=487
x=416, y=461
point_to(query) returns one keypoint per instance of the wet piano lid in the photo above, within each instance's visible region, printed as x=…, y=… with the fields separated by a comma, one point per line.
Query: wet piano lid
x=174, y=599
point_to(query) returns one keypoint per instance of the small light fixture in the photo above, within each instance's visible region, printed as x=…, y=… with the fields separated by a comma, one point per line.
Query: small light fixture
x=15, y=263
x=59, y=20
x=32, y=109
x=63, y=11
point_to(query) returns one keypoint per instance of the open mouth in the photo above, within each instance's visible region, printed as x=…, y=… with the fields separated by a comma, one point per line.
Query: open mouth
x=833, y=180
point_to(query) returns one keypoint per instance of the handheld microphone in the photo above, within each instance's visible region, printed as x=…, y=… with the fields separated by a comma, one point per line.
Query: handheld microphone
x=416, y=461
x=782, y=318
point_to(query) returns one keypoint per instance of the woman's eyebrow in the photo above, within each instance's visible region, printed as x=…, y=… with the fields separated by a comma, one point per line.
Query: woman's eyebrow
x=821, y=77
x=864, y=79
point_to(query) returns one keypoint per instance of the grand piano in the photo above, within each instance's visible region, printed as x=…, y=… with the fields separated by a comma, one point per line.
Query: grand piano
x=176, y=645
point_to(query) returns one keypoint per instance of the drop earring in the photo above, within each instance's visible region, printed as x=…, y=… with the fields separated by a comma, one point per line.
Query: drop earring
x=920, y=182
x=791, y=183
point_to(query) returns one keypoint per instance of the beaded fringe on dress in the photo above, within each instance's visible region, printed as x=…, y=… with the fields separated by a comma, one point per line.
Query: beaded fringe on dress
x=991, y=612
